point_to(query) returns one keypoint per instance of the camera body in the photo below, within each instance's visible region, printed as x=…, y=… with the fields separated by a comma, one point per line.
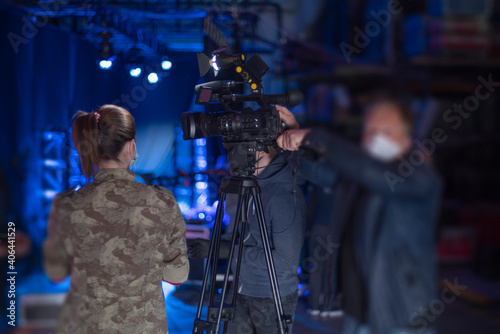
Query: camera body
x=243, y=132
x=262, y=125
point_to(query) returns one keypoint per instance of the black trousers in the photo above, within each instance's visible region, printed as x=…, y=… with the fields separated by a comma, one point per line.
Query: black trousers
x=257, y=315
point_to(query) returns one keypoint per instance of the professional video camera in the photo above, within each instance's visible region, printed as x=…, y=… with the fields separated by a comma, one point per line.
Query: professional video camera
x=243, y=132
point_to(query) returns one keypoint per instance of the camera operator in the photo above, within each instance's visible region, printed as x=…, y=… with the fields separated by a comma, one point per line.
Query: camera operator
x=385, y=222
x=285, y=215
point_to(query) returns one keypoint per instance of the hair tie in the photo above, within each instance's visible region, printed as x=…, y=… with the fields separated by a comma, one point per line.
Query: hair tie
x=97, y=116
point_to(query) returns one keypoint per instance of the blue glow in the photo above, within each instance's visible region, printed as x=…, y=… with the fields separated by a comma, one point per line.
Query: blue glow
x=183, y=192
x=202, y=200
x=49, y=194
x=49, y=135
x=201, y=215
x=201, y=163
x=201, y=185
x=135, y=72
x=153, y=78
x=183, y=206
x=106, y=64
x=201, y=142
x=200, y=177
x=53, y=163
x=166, y=65
x=186, y=46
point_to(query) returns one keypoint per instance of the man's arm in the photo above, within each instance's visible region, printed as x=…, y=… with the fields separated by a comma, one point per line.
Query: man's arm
x=317, y=172
x=350, y=161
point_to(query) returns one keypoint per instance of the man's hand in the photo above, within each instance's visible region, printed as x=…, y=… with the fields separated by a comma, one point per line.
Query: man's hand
x=198, y=248
x=292, y=139
x=287, y=117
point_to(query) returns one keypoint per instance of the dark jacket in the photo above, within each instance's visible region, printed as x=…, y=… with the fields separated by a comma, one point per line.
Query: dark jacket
x=392, y=209
x=285, y=215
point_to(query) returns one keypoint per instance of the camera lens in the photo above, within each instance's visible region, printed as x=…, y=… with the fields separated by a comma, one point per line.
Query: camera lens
x=191, y=125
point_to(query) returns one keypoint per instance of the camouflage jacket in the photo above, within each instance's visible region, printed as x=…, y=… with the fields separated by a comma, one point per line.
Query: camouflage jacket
x=118, y=239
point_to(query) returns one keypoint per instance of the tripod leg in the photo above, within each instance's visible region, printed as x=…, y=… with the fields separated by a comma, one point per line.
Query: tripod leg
x=281, y=319
x=244, y=221
x=210, y=260
x=242, y=203
x=215, y=261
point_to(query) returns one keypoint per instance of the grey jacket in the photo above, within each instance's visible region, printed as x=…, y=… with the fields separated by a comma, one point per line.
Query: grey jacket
x=285, y=215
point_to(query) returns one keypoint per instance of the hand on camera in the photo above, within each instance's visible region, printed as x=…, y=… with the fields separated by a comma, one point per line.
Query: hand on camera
x=291, y=140
x=198, y=248
x=287, y=117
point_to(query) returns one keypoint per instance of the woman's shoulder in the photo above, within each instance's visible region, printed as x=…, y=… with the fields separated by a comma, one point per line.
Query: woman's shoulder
x=158, y=195
x=161, y=191
x=64, y=196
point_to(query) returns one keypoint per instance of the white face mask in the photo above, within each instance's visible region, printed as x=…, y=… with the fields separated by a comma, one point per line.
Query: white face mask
x=383, y=149
x=136, y=157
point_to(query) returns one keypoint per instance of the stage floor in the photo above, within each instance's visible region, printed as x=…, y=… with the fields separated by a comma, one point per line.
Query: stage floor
x=475, y=310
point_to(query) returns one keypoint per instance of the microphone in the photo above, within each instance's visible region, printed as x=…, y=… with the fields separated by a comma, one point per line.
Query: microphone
x=291, y=99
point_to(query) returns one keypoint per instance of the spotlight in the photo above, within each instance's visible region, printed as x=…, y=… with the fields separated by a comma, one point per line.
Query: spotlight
x=135, y=72
x=166, y=64
x=106, y=64
x=153, y=78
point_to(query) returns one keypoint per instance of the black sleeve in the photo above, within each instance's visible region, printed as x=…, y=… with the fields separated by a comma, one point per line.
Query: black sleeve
x=401, y=179
x=314, y=170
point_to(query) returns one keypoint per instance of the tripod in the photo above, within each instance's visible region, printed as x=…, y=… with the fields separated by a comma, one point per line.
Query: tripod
x=244, y=185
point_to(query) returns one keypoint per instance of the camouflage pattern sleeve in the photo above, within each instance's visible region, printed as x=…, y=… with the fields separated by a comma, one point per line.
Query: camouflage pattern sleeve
x=57, y=262
x=173, y=246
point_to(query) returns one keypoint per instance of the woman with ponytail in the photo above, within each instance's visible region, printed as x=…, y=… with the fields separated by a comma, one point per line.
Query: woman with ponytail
x=116, y=237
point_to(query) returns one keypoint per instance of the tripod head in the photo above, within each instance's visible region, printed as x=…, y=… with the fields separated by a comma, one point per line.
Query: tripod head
x=242, y=157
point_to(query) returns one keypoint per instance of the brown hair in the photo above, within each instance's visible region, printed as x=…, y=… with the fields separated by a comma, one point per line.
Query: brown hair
x=406, y=115
x=100, y=135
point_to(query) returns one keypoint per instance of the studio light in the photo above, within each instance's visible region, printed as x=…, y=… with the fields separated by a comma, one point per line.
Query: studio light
x=106, y=64
x=153, y=78
x=166, y=64
x=135, y=72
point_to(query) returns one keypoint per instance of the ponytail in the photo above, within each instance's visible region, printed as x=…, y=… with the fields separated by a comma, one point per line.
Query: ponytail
x=101, y=135
x=86, y=138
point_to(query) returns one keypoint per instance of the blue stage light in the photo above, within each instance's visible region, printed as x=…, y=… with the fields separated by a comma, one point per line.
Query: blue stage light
x=166, y=65
x=105, y=64
x=153, y=78
x=135, y=72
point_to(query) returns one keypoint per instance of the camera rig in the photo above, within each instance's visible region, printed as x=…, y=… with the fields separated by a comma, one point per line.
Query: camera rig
x=244, y=132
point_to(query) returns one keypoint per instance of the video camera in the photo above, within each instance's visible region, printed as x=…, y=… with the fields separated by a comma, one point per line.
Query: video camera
x=246, y=131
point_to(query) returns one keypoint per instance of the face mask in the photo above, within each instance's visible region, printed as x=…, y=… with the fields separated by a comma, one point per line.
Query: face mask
x=136, y=157
x=383, y=149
